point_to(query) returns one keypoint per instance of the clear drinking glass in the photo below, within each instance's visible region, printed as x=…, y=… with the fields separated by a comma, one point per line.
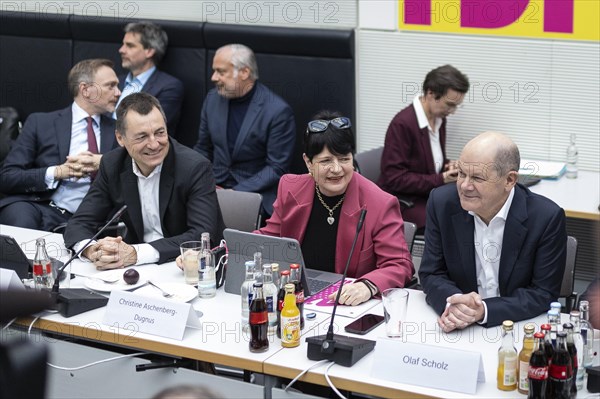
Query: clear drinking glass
x=395, y=304
x=190, y=257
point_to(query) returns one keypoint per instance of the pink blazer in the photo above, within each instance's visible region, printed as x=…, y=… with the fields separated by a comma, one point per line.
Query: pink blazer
x=380, y=255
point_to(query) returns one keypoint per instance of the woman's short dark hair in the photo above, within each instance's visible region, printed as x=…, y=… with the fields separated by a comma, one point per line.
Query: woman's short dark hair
x=338, y=141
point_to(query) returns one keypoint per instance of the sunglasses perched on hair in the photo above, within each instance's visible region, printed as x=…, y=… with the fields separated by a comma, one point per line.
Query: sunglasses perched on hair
x=320, y=125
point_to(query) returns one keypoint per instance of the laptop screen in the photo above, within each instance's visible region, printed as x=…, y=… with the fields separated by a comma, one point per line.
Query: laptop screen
x=284, y=251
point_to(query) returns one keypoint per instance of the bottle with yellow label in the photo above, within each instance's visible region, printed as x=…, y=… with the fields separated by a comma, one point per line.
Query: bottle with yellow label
x=525, y=357
x=290, y=319
x=507, y=359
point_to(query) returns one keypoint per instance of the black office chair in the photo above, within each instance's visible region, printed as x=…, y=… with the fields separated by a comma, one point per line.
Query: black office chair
x=241, y=210
x=368, y=164
x=567, y=288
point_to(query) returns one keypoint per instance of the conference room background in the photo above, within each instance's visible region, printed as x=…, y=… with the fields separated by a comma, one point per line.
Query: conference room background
x=533, y=67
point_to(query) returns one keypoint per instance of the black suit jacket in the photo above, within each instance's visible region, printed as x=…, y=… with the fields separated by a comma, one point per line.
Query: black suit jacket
x=187, y=201
x=168, y=90
x=44, y=141
x=532, y=261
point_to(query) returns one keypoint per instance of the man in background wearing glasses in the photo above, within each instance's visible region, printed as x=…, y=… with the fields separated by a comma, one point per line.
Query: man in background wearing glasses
x=50, y=168
x=414, y=157
x=246, y=130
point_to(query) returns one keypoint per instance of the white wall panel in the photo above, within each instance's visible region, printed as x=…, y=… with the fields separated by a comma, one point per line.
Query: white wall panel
x=536, y=91
x=299, y=13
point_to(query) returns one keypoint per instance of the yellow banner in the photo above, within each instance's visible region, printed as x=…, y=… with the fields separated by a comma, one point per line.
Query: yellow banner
x=543, y=19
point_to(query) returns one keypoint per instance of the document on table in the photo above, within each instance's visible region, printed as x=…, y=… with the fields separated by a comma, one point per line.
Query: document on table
x=542, y=169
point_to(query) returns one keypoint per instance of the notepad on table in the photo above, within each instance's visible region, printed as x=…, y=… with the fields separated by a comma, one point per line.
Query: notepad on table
x=542, y=169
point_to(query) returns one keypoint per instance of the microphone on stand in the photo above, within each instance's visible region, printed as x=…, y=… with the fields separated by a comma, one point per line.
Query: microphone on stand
x=341, y=349
x=73, y=301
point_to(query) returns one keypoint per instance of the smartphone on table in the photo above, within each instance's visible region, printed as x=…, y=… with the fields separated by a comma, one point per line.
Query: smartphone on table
x=364, y=324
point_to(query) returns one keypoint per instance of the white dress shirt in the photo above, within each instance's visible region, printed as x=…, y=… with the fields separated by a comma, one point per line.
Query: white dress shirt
x=434, y=134
x=488, y=249
x=133, y=85
x=70, y=192
x=148, y=188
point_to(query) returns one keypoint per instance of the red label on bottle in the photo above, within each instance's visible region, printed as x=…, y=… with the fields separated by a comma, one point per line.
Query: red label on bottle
x=49, y=268
x=300, y=296
x=559, y=372
x=280, y=305
x=538, y=373
x=37, y=269
x=258, y=317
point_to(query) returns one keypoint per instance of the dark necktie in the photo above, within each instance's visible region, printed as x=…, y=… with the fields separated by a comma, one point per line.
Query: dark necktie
x=91, y=136
x=92, y=144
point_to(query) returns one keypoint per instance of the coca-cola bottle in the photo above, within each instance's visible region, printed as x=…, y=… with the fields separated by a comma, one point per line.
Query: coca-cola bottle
x=573, y=352
x=285, y=279
x=538, y=369
x=296, y=279
x=548, y=347
x=43, y=275
x=259, y=321
x=549, y=351
x=560, y=369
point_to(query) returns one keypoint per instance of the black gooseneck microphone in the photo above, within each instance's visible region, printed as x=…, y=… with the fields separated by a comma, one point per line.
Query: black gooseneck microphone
x=72, y=301
x=343, y=350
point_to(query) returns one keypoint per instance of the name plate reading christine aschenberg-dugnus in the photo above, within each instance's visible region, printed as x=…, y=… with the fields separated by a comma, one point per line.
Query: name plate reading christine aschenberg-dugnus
x=152, y=315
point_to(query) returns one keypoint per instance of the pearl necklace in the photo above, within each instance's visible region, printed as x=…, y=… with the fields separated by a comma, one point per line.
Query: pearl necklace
x=330, y=219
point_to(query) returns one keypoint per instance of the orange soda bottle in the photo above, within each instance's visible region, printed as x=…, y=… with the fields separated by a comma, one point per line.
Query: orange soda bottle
x=290, y=319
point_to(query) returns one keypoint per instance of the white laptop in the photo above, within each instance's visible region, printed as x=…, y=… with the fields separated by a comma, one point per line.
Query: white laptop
x=285, y=251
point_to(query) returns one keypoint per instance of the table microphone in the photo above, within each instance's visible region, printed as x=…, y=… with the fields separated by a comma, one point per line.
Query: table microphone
x=73, y=301
x=340, y=349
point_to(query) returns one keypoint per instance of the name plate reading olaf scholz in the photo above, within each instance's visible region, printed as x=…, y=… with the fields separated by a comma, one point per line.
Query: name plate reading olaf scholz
x=151, y=315
x=428, y=366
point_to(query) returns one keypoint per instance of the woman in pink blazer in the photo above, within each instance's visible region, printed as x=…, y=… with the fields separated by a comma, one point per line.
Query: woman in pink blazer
x=321, y=210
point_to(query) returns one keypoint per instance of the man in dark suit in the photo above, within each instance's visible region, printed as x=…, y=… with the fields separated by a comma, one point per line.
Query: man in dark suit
x=168, y=188
x=49, y=169
x=414, y=156
x=246, y=130
x=494, y=250
x=144, y=46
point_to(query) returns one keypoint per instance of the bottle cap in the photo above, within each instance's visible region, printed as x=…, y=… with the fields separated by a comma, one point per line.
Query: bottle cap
x=546, y=326
x=538, y=335
x=553, y=312
x=290, y=287
x=567, y=326
x=285, y=272
x=584, y=305
x=294, y=266
x=561, y=334
x=575, y=313
x=275, y=267
x=555, y=305
x=250, y=263
x=507, y=325
x=529, y=328
x=258, y=285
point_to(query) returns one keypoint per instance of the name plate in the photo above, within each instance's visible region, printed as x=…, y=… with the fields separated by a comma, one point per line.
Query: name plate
x=428, y=366
x=152, y=315
x=10, y=280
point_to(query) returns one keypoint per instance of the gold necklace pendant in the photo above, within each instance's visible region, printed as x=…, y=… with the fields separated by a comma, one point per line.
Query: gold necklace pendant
x=330, y=219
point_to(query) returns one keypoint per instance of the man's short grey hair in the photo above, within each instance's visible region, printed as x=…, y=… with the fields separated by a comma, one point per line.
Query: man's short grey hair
x=151, y=36
x=243, y=57
x=508, y=158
